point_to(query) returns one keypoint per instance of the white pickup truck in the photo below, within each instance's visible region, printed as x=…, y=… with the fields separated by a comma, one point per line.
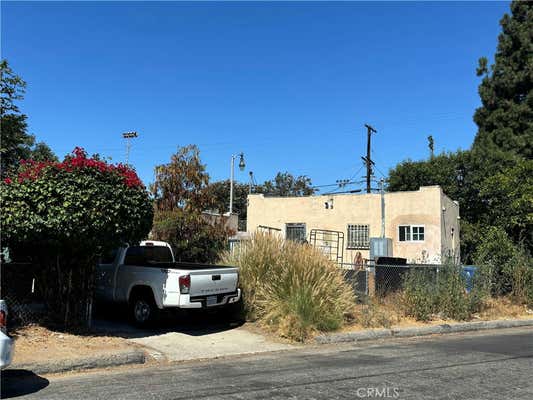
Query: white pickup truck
x=147, y=279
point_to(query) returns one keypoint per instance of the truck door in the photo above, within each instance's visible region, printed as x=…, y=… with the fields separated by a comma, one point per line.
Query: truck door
x=105, y=274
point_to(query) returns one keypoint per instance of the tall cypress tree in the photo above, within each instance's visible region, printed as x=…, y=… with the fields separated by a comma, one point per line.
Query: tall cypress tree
x=505, y=119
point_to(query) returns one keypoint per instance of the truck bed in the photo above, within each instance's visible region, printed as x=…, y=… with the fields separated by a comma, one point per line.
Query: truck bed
x=185, y=266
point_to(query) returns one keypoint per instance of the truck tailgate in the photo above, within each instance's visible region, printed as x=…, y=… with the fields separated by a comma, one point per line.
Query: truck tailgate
x=214, y=281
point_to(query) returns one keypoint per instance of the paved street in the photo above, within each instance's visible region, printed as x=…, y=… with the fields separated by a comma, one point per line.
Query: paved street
x=488, y=365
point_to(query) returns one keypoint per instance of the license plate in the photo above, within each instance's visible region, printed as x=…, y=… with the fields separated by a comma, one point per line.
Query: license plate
x=211, y=300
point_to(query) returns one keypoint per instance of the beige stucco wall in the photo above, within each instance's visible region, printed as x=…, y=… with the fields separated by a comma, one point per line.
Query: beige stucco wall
x=450, y=228
x=421, y=207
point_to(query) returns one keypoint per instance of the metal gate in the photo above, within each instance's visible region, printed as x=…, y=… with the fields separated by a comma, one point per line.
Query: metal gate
x=331, y=243
x=268, y=229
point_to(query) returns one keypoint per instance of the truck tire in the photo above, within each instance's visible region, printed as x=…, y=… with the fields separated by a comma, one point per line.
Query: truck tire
x=143, y=309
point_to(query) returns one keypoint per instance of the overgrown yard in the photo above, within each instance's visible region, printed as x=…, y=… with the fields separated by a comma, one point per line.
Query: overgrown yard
x=390, y=312
x=497, y=290
x=294, y=291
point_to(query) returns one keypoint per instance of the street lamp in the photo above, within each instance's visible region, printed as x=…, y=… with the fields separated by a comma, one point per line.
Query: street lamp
x=242, y=165
x=251, y=184
x=128, y=136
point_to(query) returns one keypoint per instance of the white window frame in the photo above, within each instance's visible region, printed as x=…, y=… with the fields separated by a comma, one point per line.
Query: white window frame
x=349, y=245
x=411, y=233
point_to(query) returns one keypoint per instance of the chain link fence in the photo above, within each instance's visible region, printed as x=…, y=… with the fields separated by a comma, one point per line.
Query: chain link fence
x=21, y=312
x=357, y=277
x=389, y=279
x=18, y=289
x=382, y=280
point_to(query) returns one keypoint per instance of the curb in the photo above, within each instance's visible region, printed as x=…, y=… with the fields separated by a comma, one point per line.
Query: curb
x=78, y=364
x=373, y=334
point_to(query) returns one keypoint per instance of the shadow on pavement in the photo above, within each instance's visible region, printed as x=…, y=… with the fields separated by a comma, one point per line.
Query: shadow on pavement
x=114, y=321
x=20, y=382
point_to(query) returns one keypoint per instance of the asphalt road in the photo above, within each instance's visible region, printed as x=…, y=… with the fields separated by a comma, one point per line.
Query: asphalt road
x=489, y=365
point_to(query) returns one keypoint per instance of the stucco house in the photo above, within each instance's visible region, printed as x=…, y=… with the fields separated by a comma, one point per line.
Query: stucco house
x=423, y=225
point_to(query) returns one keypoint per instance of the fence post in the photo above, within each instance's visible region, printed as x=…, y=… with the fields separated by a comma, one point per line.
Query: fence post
x=371, y=281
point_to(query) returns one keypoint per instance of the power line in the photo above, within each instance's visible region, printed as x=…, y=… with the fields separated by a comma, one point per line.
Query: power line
x=346, y=191
x=375, y=166
x=382, y=174
x=348, y=181
x=359, y=170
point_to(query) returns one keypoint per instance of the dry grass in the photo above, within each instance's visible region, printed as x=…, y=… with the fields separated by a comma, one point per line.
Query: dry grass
x=291, y=288
x=504, y=307
x=390, y=313
x=384, y=313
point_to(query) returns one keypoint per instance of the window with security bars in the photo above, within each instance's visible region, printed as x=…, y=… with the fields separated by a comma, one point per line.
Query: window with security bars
x=295, y=232
x=358, y=237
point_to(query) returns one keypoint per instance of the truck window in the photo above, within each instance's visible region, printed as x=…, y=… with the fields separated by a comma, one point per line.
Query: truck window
x=140, y=255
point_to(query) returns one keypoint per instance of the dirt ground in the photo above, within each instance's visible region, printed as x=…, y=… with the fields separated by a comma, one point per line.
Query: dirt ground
x=35, y=344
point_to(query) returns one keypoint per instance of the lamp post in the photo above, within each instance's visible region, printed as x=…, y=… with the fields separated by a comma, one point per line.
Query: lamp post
x=251, y=182
x=128, y=136
x=242, y=165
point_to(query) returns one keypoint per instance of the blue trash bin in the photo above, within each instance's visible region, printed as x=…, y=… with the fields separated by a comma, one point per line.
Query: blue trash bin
x=468, y=273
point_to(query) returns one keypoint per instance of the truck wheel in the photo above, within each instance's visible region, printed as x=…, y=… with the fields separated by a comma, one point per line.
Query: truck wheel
x=144, y=311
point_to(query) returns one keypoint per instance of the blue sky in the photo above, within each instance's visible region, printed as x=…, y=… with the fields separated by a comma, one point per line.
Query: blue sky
x=289, y=84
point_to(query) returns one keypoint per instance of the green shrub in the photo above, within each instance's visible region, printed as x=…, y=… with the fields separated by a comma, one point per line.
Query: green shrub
x=420, y=295
x=452, y=299
x=519, y=271
x=192, y=236
x=508, y=267
x=444, y=293
x=529, y=295
x=61, y=215
x=291, y=287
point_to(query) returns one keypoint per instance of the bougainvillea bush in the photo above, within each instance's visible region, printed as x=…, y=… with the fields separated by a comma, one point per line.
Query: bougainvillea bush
x=63, y=215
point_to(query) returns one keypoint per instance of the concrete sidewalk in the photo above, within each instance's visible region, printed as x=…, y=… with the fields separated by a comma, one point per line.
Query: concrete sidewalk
x=190, y=341
x=169, y=342
x=180, y=346
x=373, y=334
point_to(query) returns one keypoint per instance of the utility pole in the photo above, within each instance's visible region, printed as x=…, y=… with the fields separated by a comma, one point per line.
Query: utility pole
x=367, y=159
x=128, y=136
x=431, y=145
